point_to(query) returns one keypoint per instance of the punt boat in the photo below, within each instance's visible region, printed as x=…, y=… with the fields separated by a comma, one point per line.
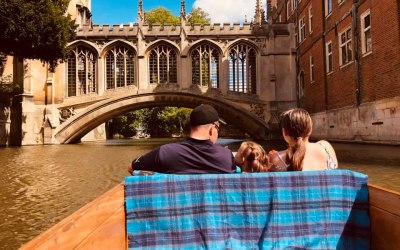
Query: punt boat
x=100, y=224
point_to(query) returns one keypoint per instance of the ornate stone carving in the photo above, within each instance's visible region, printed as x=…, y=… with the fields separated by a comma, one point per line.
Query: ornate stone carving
x=258, y=110
x=100, y=44
x=262, y=43
x=66, y=113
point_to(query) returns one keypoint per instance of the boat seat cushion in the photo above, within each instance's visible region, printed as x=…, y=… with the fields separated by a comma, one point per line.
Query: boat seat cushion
x=310, y=210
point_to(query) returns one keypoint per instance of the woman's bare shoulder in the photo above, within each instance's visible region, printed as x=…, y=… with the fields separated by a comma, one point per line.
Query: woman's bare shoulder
x=328, y=148
x=326, y=145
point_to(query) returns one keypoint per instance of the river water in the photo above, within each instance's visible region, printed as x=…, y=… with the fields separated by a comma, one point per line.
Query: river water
x=40, y=185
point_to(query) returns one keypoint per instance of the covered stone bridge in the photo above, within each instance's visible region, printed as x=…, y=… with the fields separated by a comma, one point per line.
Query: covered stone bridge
x=72, y=130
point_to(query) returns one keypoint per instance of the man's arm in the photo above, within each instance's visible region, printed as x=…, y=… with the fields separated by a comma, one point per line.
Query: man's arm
x=149, y=161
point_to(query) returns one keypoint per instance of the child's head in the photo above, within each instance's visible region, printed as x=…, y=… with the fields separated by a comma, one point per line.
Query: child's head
x=251, y=157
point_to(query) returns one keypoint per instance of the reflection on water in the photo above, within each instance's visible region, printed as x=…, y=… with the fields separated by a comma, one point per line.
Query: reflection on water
x=40, y=185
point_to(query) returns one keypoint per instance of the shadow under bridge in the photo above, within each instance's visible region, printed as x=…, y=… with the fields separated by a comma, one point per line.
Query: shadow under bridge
x=72, y=130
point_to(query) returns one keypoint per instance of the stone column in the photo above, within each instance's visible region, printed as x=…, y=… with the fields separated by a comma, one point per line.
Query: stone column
x=100, y=77
x=223, y=76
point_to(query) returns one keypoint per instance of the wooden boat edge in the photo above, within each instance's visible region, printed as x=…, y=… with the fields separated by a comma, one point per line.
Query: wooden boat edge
x=101, y=223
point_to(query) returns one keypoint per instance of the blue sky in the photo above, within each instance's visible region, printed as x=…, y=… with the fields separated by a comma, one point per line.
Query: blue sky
x=125, y=11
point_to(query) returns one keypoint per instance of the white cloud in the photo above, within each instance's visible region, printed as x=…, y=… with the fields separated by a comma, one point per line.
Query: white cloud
x=228, y=11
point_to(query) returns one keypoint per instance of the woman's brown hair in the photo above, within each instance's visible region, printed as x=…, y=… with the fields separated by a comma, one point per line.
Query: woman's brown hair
x=297, y=124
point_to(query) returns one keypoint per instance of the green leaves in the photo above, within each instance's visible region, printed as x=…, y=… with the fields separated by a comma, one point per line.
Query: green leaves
x=7, y=91
x=161, y=16
x=36, y=29
x=158, y=121
x=197, y=15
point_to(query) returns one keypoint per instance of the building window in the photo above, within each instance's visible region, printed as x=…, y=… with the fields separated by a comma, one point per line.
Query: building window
x=310, y=19
x=120, y=69
x=301, y=83
x=302, y=29
x=242, y=69
x=329, y=57
x=312, y=78
x=345, y=48
x=83, y=16
x=81, y=72
x=366, y=41
x=328, y=7
x=162, y=65
x=294, y=4
x=205, y=61
x=287, y=10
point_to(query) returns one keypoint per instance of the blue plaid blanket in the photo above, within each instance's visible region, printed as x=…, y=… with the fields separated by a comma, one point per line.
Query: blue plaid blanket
x=286, y=210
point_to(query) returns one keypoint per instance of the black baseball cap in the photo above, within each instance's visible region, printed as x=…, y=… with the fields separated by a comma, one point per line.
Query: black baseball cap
x=203, y=114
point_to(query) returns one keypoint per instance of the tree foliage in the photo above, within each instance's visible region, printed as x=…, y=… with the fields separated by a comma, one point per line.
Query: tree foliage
x=7, y=88
x=161, y=16
x=158, y=121
x=198, y=15
x=7, y=91
x=164, y=16
x=36, y=29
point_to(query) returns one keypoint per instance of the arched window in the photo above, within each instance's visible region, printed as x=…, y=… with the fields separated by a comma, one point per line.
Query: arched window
x=205, y=61
x=162, y=65
x=81, y=76
x=242, y=69
x=120, y=67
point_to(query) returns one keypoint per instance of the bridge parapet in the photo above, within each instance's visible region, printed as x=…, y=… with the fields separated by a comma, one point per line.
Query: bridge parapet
x=215, y=29
x=161, y=30
x=107, y=30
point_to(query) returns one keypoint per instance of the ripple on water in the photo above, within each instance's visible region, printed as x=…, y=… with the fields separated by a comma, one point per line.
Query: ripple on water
x=41, y=185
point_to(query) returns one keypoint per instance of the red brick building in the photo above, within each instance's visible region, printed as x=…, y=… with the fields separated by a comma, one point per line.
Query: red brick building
x=348, y=66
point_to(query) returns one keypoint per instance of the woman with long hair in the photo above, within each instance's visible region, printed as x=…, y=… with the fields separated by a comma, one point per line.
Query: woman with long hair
x=296, y=125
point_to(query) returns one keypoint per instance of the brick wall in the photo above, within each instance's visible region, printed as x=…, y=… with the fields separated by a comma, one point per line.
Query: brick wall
x=379, y=75
x=381, y=69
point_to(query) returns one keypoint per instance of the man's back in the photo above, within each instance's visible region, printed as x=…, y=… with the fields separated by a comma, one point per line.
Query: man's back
x=189, y=157
x=196, y=157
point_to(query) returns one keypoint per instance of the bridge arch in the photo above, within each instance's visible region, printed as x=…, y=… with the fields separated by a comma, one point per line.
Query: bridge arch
x=188, y=50
x=79, y=125
x=117, y=42
x=86, y=44
x=154, y=44
x=241, y=41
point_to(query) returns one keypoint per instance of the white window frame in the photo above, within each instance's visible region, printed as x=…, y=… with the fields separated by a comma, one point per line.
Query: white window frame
x=310, y=19
x=365, y=49
x=294, y=5
x=347, y=46
x=312, y=79
x=328, y=10
x=287, y=10
x=329, y=57
x=302, y=29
